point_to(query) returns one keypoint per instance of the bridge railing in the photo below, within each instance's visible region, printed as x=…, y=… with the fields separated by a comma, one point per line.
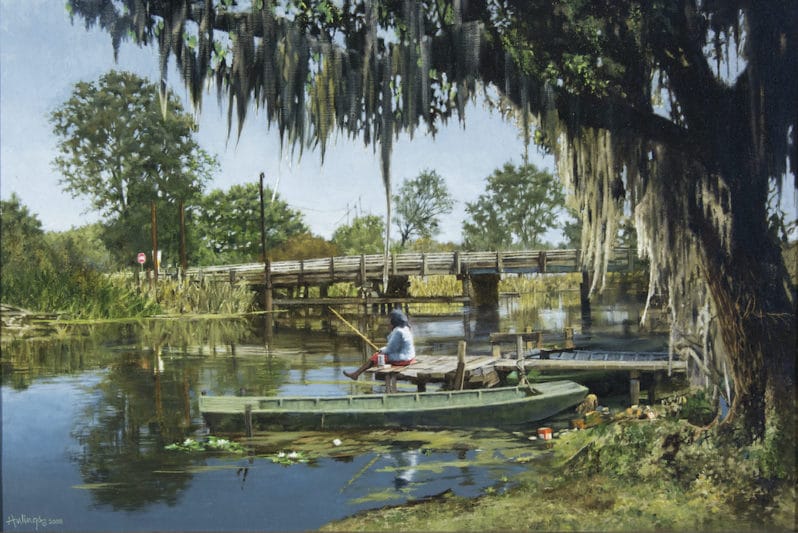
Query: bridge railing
x=369, y=267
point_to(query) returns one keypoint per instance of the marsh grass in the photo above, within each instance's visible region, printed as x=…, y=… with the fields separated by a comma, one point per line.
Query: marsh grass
x=76, y=291
x=628, y=475
x=205, y=297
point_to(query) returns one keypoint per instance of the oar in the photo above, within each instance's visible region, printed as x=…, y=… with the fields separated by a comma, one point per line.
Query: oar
x=354, y=329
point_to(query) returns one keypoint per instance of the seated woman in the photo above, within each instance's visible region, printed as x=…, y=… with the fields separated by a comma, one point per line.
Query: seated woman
x=400, y=349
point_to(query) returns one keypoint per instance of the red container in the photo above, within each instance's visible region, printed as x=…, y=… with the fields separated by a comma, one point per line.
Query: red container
x=544, y=433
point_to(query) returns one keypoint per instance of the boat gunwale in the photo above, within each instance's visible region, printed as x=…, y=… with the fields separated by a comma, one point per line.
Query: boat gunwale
x=316, y=404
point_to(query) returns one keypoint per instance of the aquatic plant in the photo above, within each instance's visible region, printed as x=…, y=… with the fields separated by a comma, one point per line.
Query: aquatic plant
x=210, y=444
x=205, y=297
x=289, y=458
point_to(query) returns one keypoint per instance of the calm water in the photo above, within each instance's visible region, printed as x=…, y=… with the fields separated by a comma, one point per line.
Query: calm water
x=86, y=421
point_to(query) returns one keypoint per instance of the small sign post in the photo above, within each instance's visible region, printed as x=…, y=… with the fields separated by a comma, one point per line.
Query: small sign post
x=141, y=258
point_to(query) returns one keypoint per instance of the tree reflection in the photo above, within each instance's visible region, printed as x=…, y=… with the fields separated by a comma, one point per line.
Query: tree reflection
x=147, y=399
x=139, y=408
x=149, y=375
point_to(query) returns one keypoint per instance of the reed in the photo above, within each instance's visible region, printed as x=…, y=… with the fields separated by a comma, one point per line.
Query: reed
x=182, y=297
x=77, y=292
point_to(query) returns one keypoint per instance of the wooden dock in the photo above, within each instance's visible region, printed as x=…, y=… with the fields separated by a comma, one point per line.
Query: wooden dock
x=464, y=371
x=478, y=372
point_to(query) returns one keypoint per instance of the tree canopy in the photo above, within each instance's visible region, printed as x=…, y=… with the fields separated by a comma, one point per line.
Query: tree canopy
x=420, y=202
x=681, y=112
x=362, y=236
x=229, y=227
x=519, y=205
x=120, y=149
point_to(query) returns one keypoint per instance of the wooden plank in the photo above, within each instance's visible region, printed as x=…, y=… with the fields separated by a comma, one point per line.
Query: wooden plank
x=370, y=267
x=459, y=374
x=559, y=364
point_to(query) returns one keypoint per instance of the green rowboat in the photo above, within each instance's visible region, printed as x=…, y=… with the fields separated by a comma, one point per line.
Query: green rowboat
x=497, y=407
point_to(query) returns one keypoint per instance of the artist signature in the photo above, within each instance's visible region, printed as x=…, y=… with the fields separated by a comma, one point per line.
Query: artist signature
x=28, y=522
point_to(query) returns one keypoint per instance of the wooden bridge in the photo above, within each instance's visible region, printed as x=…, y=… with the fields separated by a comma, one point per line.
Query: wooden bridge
x=368, y=270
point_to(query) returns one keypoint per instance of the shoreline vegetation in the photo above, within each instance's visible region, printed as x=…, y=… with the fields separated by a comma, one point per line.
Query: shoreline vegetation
x=667, y=472
x=122, y=299
x=119, y=295
x=630, y=474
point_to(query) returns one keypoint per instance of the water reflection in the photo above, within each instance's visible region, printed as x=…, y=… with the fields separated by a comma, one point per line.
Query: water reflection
x=406, y=461
x=137, y=409
x=126, y=391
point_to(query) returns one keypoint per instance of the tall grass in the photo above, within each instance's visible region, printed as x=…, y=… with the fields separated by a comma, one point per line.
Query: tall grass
x=205, y=297
x=78, y=292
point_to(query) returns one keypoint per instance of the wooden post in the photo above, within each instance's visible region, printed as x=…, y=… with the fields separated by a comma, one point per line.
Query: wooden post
x=154, y=232
x=528, y=343
x=496, y=350
x=248, y=419
x=519, y=346
x=569, y=337
x=584, y=293
x=267, y=269
x=183, y=257
x=362, y=280
x=391, y=383
x=634, y=387
x=652, y=387
x=459, y=375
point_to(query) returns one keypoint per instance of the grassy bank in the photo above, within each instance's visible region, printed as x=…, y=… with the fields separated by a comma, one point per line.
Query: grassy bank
x=628, y=475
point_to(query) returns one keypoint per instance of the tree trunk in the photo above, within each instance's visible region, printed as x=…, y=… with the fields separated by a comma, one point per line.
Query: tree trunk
x=751, y=289
x=759, y=335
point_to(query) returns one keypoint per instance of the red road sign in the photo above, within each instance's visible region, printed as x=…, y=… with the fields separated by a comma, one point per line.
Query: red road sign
x=142, y=258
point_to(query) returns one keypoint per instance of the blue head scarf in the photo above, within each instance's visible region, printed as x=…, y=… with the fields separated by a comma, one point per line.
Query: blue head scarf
x=398, y=319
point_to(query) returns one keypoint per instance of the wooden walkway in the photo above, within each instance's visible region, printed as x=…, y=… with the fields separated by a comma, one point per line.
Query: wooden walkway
x=488, y=371
x=363, y=269
x=439, y=369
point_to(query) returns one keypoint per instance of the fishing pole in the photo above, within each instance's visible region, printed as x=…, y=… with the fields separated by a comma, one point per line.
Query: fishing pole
x=354, y=329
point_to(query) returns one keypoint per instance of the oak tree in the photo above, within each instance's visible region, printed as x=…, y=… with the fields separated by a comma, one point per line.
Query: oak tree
x=683, y=112
x=123, y=148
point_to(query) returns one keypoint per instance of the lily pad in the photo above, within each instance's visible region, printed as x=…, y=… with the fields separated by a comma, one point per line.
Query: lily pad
x=210, y=444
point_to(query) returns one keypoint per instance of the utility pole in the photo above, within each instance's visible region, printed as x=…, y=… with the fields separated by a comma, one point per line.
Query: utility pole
x=183, y=259
x=267, y=298
x=154, y=220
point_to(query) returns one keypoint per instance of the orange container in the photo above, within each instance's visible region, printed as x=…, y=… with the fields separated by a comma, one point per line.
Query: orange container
x=544, y=433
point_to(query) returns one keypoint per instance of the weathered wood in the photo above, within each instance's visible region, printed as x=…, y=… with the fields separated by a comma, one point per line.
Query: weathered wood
x=634, y=388
x=248, y=419
x=434, y=369
x=523, y=340
x=366, y=268
x=459, y=374
x=559, y=364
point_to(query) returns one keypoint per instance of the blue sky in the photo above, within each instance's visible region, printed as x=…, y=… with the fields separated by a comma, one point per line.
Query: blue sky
x=42, y=55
